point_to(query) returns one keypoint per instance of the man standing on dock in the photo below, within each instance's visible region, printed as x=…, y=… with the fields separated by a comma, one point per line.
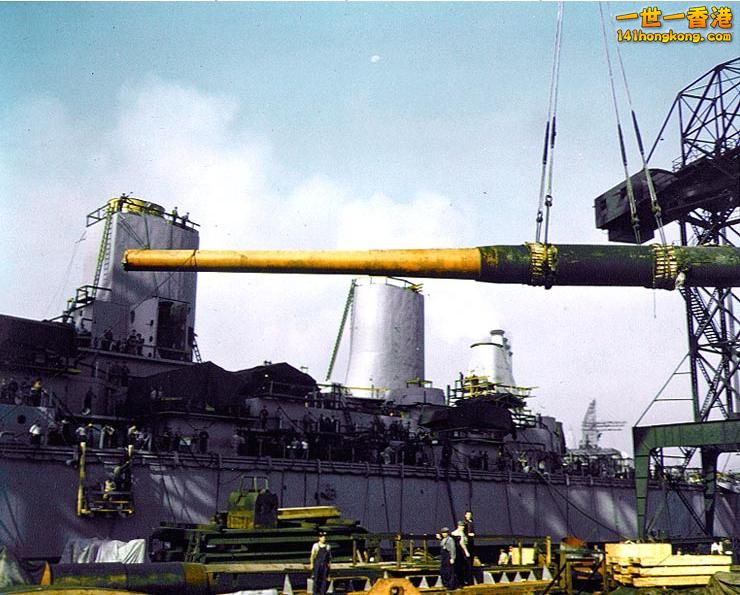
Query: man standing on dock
x=470, y=534
x=447, y=559
x=463, y=561
x=320, y=565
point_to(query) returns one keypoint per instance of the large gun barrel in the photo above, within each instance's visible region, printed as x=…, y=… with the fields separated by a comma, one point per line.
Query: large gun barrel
x=170, y=578
x=656, y=266
x=158, y=579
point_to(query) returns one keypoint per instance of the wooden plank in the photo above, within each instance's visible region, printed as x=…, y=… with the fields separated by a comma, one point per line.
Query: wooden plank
x=623, y=579
x=671, y=581
x=308, y=512
x=637, y=550
x=527, y=555
x=687, y=560
x=678, y=570
x=621, y=575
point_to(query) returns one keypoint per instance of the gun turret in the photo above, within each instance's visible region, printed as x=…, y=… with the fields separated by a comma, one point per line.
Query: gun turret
x=654, y=266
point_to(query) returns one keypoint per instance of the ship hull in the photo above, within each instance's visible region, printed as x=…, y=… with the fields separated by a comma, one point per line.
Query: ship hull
x=38, y=491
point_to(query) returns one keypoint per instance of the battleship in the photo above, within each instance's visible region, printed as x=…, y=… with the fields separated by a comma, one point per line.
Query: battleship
x=113, y=428
x=119, y=372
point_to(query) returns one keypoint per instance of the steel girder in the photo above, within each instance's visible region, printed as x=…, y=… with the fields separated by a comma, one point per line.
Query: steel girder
x=708, y=112
x=713, y=437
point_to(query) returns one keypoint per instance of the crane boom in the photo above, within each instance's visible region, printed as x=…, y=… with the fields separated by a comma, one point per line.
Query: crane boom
x=655, y=266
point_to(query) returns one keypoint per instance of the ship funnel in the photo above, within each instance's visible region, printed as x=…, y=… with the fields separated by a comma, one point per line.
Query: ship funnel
x=386, y=337
x=491, y=358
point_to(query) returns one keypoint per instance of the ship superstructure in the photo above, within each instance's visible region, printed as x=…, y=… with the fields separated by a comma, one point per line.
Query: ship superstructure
x=147, y=314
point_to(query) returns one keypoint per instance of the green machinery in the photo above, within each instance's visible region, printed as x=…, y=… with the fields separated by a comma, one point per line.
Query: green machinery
x=254, y=529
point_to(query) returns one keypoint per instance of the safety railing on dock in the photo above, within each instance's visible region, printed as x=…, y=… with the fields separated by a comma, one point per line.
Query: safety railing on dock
x=423, y=549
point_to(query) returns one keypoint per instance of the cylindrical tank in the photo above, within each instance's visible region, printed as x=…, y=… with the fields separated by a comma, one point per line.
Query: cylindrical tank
x=386, y=336
x=491, y=358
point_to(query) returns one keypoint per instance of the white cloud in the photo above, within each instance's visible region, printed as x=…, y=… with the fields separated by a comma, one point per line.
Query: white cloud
x=179, y=147
x=428, y=220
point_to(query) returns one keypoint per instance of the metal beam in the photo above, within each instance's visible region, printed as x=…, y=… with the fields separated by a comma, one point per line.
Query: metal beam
x=721, y=436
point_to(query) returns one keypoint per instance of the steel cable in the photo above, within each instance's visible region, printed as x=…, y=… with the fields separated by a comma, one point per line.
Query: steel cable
x=545, y=193
x=657, y=211
x=630, y=190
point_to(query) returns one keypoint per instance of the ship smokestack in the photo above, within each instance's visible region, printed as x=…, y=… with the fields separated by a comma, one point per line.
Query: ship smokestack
x=492, y=357
x=387, y=336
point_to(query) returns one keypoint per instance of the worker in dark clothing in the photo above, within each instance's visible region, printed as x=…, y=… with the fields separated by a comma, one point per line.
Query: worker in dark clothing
x=463, y=561
x=320, y=565
x=447, y=559
x=470, y=534
x=203, y=442
x=87, y=401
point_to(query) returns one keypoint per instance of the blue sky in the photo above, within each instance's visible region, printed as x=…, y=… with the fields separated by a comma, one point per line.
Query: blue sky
x=343, y=125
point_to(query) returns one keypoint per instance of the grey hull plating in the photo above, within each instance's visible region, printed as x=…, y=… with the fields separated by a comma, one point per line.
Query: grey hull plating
x=38, y=490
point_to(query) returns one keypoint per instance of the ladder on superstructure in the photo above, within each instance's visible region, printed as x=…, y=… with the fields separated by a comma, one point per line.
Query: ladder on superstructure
x=196, y=350
x=104, y=251
x=347, y=305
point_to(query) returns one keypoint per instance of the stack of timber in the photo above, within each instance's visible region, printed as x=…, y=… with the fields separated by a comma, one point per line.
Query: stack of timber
x=655, y=565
